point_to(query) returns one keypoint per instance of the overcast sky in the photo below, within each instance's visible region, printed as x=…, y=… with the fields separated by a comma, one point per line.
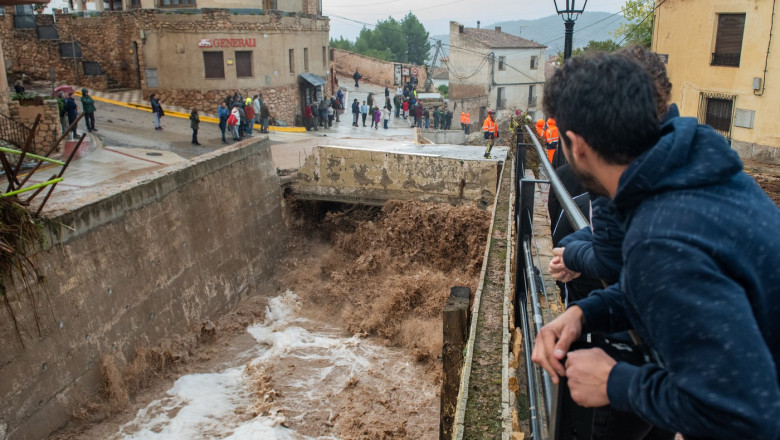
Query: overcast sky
x=436, y=14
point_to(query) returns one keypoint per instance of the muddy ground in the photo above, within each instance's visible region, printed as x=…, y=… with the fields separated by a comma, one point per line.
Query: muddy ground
x=382, y=273
x=767, y=177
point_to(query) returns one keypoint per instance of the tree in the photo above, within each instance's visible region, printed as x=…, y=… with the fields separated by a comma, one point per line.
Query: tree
x=417, y=42
x=639, y=29
x=592, y=47
x=444, y=90
x=341, y=43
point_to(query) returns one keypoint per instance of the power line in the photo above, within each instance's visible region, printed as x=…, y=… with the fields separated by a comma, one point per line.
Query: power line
x=642, y=21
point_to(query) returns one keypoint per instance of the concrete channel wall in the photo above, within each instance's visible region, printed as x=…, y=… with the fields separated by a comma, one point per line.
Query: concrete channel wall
x=453, y=137
x=373, y=177
x=152, y=261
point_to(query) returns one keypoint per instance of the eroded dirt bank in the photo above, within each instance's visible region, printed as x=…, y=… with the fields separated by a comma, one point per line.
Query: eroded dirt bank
x=362, y=279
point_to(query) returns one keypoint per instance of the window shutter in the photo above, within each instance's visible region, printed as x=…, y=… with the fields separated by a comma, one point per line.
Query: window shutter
x=213, y=64
x=730, y=30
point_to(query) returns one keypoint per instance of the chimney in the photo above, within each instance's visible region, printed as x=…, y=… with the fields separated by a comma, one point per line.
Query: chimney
x=498, y=28
x=477, y=24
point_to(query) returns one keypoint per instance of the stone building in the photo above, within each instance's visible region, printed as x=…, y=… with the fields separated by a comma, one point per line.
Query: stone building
x=490, y=69
x=720, y=61
x=192, y=56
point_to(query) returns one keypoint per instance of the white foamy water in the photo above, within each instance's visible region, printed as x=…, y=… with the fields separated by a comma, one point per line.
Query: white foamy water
x=309, y=363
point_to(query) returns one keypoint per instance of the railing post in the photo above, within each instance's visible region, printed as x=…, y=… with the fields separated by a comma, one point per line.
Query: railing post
x=455, y=328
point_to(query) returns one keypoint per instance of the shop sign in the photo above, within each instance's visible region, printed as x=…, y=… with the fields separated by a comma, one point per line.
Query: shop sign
x=227, y=42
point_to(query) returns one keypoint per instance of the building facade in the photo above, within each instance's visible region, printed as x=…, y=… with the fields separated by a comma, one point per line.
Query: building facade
x=720, y=61
x=191, y=56
x=490, y=69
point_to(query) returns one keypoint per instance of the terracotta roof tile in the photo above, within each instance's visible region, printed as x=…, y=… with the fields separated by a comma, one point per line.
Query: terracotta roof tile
x=500, y=40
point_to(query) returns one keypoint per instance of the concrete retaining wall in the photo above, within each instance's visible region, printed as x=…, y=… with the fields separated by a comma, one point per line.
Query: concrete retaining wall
x=373, y=177
x=152, y=261
x=452, y=137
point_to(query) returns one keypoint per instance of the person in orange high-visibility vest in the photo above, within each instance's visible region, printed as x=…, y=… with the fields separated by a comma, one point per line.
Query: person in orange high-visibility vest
x=468, y=121
x=462, y=120
x=490, y=132
x=552, y=139
x=540, y=127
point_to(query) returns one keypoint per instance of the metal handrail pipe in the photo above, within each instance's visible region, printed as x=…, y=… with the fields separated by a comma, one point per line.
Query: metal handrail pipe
x=573, y=213
x=547, y=388
x=536, y=422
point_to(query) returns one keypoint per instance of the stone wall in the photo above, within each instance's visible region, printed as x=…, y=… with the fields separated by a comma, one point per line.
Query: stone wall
x=153, y=259
x=460, y=91
x=374, y=70
x=48, y=129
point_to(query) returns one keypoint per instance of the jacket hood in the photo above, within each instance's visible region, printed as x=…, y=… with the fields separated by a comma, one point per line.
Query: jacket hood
x=688, y=155
x=551, y=122
x=540, y=123
x=84, y=91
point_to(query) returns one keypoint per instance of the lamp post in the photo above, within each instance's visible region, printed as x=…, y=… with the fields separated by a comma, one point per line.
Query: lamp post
x=569, y=14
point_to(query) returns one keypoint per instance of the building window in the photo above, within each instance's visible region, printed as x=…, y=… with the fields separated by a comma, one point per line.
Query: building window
x=92, y=68
x=214, y=64
x=500, y=99
x=24, y=18
x=243, y=63
x=717, y=111
x=728, y=40
x=305, y=59
x=532, y=96
x=324, y=56
x=70, y=50
x=501, y=63
x=292, y=60
x=134, y=4
x=177, y=3
x=534, y=63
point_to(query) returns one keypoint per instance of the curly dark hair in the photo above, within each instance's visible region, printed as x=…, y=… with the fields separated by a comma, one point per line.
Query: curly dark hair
x=654, y=64
x=609, y=100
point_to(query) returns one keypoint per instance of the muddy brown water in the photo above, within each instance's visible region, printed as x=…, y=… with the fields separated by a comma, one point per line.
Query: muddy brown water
x=344, y=344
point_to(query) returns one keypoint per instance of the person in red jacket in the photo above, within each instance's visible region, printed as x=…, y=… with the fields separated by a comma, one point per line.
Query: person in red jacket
x=308, y=116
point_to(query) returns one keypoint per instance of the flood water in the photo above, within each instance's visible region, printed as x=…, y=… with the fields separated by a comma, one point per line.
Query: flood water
x=300, y=383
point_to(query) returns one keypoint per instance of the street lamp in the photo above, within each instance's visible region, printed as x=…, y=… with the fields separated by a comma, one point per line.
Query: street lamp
x=569, y=15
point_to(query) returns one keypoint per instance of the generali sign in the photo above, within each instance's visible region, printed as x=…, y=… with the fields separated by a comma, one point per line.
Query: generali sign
x=227, y=42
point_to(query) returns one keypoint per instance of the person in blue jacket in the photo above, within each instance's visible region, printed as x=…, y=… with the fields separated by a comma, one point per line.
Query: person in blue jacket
x=700, y=282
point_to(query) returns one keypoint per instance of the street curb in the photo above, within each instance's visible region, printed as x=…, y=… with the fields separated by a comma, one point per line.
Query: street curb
x=181, y=115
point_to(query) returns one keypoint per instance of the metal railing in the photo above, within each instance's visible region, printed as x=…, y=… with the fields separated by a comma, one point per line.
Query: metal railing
x=543, y=396
x=13, y=132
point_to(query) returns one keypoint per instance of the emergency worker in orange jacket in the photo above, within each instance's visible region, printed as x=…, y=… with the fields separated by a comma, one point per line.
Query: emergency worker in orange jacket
x=540, y=127
x=490, y=132
x=552, y=139
x=467, y=126
x=462, y=120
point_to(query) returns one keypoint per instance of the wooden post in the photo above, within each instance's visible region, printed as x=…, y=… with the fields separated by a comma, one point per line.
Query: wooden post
x=455, y=325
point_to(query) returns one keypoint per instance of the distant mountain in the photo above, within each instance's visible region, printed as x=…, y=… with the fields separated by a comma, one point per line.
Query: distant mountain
x=596, y=26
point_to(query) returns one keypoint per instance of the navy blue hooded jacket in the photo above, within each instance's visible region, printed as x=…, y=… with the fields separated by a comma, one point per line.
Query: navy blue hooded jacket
x=597, y=253
x=701, y=285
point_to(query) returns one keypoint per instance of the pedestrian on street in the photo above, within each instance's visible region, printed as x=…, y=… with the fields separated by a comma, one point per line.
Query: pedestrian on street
x=387, y=93
x=418, y=114
x=489, y=132
x=331, y=111
x=385, y=115
x=449, y=120
x=436, y=116
x=340, y=100
x=242, y=114
x=265, y=117
x=307, y=117
x=364, y=112
x=233, y=121
x=73, y=112
x=223, y=114
x=157, y=111
x=397, y=104
x=257, y=102
x=88, y=104
x=426, y=117
x=355, y=112
x=314, y=113
x=357, y=77
x=323, y=112
x=377, y=117
x=370, y=100
x=194, y=125
x=249, y=111
x=63, y=114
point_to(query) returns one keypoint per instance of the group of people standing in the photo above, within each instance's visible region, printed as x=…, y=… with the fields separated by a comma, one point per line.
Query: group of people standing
x=69, y=111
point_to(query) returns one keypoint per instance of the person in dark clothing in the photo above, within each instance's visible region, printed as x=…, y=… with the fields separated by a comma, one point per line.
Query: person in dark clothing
x=18, y=87
x=73, y=112
x=194, y=125
x=356, y=113
x=699, y=282
x=314, y=115
x=265, y=116
x=223, y=114
x=88, y=104
x=157, y=111
x=356, y=76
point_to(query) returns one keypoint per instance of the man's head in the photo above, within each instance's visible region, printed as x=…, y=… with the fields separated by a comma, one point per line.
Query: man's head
x=608, y=101
x=492, y=114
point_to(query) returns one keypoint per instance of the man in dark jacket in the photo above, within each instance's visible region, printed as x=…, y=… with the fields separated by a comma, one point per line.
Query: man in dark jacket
x=89, y=109
x=355, y=113
x=265, y=117
x=72, y=110
x=699, y=282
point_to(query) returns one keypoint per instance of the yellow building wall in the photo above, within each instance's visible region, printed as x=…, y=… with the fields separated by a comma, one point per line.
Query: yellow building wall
x=686, y=30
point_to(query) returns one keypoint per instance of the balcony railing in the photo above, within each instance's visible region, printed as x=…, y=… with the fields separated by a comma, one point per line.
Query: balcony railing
x=14, y=132
x=725, y=59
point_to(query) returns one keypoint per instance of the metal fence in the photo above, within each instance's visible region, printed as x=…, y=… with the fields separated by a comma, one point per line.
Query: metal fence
x=543, y=396
x=14, y=132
